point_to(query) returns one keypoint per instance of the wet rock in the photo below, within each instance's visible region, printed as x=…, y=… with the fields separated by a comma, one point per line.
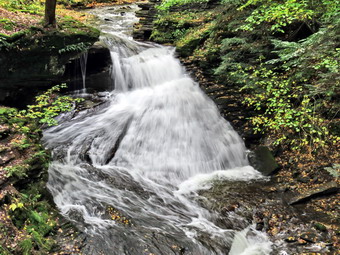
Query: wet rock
x=6, y=158
x=97, y=69
x=4, y=131
x=104, y=94
x=291, y=239
x=303, y=179
x=328, y=188
x=146, y=14
x=309, y=237
x=259, y=226
x=262, y=159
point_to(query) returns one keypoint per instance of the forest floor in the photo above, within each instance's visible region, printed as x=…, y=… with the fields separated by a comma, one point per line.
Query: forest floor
x=17, y=18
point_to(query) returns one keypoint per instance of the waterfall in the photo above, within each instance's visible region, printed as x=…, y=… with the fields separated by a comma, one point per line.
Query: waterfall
x=83, y=64
x=128, y=175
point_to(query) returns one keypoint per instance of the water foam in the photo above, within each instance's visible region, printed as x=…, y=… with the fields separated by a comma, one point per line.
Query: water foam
x=159, y=141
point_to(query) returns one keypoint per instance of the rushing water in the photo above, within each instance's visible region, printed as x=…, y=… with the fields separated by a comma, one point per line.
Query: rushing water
x=145, y=156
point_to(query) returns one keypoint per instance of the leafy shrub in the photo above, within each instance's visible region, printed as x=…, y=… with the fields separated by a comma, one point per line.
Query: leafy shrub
x=280, y=14
x=48, y=106
x=285, y=111
x=167, y=4
x=314, y=60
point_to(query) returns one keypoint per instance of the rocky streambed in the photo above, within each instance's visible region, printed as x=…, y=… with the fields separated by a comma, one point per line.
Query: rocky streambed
x=297, y=205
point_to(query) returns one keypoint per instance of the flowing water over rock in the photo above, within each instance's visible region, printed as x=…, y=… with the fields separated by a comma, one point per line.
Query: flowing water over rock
x=128, y=174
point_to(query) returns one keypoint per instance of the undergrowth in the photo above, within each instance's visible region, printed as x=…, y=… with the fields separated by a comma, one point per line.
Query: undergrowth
x=283, y=54
x=28, y=221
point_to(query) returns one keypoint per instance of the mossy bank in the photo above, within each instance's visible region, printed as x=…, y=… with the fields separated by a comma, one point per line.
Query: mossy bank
x=36, y=58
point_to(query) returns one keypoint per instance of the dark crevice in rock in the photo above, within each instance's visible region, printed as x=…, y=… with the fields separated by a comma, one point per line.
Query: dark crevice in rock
x=325, y=189
x=119, y=140
x=27, y=72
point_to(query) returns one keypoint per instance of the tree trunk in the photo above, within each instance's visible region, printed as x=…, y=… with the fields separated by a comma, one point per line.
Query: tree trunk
x=50, y=6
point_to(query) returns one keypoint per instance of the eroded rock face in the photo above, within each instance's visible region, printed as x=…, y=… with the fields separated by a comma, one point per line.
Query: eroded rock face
x=147, y=14
x=98, y=64
x=41, y=59
x=327, y=188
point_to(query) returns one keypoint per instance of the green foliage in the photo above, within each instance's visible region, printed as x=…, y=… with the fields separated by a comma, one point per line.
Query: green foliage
x=239, y=53
x=16, y=205
x=167, y=4
x=314, y=60
x=295, y=91
x=276, y=13
x=4, y=44
x=5, y=251
x=175, y=26
x=48, y=106
x=35, y=218
x=285, y=112
x=28, y=124
x=18, y=171
x=233, y=2
x=77, y=47
x=28, y=6
x=280, y=14
x=39, y=158
x=6, y=113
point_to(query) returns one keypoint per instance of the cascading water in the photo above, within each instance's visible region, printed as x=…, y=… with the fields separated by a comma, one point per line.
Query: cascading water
x=83, y=64
x=145, y=155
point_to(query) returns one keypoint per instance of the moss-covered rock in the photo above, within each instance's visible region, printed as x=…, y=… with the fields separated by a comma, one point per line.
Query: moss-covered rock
x=37, y=57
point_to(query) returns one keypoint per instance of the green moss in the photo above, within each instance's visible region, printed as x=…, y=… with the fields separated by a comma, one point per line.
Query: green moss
x=7, y=24
x=171, y=28
x=32, y=6
x=37, y=39
x=193, y=39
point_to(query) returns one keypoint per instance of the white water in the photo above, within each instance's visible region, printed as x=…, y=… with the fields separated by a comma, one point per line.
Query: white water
x=147, y=154
x=83, y=65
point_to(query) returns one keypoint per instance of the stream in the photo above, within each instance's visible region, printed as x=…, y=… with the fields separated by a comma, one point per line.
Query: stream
x=128, y=174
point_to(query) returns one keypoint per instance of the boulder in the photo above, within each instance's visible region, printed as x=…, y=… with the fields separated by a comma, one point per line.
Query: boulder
x=263, y=160
x=327, y=188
